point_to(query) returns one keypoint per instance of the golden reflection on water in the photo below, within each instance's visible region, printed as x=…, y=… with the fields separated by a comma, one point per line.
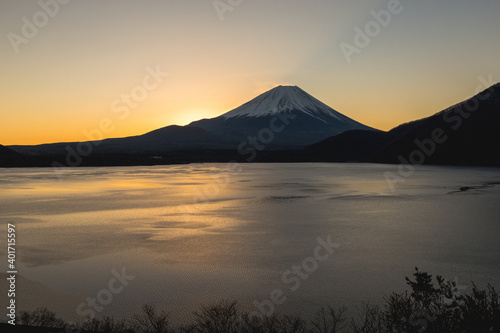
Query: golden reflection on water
x=91, y=216
x=185, y=221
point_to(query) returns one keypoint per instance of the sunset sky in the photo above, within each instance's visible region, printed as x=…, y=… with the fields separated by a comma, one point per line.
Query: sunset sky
x=71, y=72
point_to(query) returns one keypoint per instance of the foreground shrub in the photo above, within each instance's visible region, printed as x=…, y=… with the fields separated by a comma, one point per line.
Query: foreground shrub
x=443, y=308
x=329, y=320
x=107, y=324
x=151, y=321
x=218, y=318
x=40, y=317
x=429, y=306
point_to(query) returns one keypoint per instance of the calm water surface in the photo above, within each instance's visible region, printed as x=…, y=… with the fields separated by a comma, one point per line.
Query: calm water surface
x=195, y=234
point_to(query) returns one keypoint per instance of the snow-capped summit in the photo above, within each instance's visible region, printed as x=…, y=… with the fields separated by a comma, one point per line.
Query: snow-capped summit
x=303, y=120
x=284, y=99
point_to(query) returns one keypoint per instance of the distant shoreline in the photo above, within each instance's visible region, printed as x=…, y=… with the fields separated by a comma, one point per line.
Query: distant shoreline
x=192, y=157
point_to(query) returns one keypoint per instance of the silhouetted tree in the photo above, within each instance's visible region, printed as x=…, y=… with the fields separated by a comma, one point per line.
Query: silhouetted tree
x=150, y=321
x=40, y=317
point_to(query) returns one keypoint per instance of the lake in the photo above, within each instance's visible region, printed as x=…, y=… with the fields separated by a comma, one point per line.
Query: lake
x=184, y=236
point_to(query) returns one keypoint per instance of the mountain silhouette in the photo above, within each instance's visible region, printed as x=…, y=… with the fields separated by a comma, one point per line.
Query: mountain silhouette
x=154, y=142
x=10, y=158
x=6, y=152
x=464, y=134
x=283, y=117
x=293, y=119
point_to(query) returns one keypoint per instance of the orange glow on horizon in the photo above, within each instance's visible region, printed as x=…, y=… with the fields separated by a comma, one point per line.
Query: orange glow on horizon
x=61, y=127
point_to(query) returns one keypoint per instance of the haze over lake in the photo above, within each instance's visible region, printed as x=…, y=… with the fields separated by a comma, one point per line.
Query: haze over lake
x=195, y=234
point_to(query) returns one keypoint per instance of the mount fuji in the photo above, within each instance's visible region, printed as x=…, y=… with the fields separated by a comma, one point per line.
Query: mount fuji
x=283, y=117
x=279, y=123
